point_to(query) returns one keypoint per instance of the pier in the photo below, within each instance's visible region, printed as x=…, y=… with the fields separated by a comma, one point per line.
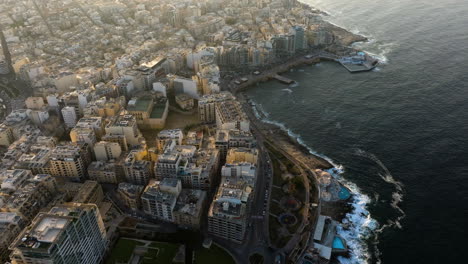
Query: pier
x=283, y=79
x=355, y=68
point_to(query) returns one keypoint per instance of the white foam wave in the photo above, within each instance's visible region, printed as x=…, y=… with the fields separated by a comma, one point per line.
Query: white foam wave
x=293, y=135
x=294, y=84
x=287, y=90
x=359, y=223
x=397, y=195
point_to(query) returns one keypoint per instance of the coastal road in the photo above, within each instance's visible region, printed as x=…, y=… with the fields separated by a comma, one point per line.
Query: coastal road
x=257, y=235
x=262, y=131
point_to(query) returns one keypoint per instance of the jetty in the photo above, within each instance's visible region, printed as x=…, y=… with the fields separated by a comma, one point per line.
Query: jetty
x=283, y=79
x=361, y=62
x=354, y=68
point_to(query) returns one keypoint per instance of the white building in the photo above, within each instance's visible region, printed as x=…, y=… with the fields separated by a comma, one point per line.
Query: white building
x=230, y=116
x=69, y=116
x=187, y=86
x=69, y=233
x=159, y=87
x=165, y=136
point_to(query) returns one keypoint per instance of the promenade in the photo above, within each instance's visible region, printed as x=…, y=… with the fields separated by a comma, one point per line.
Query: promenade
x=273, y=71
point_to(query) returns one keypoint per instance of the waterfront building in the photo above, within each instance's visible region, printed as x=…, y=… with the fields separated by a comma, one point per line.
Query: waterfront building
x=241, y=155
x=69, y=233
x=229, y=115
x=207, y=105
x=299, y=38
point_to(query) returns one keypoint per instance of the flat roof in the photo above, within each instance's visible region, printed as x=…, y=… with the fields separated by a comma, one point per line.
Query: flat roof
x=158, y=110
x=141, y=104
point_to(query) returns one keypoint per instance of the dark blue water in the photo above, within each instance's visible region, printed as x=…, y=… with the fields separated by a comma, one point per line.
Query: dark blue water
x=400, y=132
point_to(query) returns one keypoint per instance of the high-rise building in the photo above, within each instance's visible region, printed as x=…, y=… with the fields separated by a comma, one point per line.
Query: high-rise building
x=168, y=163
x=89, y=193
x=228, y=213
x=6, y=136
x=168, y=135
x=70, y=161
x=229, y=115
x=227, y=216
x=11, y=224
x=130, y=194
x=83, y=135
x=32, y=196
x=104, y=151
x=69, y=116
x=136, y=171
x=207, y=103
x=201, y=172
x=189, y=208
x=106, y=172
x=124, y=125
x=69, y=233
x=159, y=198
x=299, y=38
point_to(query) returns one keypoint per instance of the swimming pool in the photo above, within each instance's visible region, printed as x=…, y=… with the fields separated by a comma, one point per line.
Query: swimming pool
x=344, y=193
x=338, y=243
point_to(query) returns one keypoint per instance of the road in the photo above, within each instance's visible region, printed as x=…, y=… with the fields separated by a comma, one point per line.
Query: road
x=257, y=237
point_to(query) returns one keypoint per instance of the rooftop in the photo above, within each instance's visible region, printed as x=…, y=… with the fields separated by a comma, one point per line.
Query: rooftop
x=158, y=109
x=139, y=104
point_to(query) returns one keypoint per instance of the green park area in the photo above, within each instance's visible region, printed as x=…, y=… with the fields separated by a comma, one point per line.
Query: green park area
x=123, y=250
x=148, y=252
x=286, y=199
x=213, y=255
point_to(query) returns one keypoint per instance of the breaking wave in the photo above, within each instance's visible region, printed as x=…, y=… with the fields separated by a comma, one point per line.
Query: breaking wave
x=358, y=227
x=359, y=223
x=397, y=198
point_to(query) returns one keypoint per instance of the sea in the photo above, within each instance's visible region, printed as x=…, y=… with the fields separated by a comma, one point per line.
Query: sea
x=398, y=135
